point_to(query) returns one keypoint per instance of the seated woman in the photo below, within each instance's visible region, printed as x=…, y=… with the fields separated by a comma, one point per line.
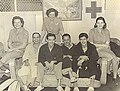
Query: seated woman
x=17, y=41
x=100, y=37
x=85, y=60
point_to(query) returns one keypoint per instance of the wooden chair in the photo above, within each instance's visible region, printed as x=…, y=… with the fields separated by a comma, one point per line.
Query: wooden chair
x=104, y=63
x=51, y=81
x=12, y=83
x=15, y=65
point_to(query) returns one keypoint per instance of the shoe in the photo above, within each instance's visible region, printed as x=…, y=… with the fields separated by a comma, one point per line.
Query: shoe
x=39, y=88
x=59, y=88
x=90, y=89
x=76, y=89
x=115, y=81
x=67, y=88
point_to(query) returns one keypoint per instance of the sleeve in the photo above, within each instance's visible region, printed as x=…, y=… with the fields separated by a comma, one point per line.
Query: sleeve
x=75, y=56
x=59, y=55
x=10, y=36
x=94, y=55
x=44, y=25
x=41, y=56
x=10, y=39
x=26, y=53
x=91, y=36
x=61, y=27
x=44, y=30
x=25, y=37
x=107, y=36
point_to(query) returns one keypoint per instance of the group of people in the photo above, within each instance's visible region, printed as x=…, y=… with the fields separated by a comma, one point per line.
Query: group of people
x=65, y=61
x=47, y=53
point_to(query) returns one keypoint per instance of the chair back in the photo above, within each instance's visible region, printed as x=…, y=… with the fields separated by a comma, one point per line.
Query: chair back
x=115, y=40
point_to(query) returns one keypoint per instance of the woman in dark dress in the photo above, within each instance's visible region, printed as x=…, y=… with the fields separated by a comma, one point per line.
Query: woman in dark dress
x=85, y=59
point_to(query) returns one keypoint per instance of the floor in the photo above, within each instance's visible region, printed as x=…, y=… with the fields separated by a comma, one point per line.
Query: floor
x=110, y=86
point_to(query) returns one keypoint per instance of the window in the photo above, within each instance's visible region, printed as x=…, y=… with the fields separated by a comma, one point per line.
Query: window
x=20, y=5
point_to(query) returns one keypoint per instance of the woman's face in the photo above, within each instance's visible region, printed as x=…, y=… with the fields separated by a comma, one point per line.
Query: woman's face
x=52, y=14
x=36, y=38
x=17, y=23
x=100, y=24
x=83, y=41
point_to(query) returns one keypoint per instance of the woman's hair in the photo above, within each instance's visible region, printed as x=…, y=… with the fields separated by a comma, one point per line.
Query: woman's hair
x=100, y=18
x=52, y=10
x=18, y=17
x=49, y=35
x=83, y=35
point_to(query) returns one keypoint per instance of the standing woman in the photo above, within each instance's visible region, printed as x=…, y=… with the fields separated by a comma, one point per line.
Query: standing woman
x=100, y=37
x=52, y=24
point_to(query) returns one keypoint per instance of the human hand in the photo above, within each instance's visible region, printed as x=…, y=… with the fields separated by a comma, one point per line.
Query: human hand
x=85, y=58
x=80, y=62
x=92, y=77
x=52, y=65
x=47, y=65
x=67, y=56
x=9, y=50
x=53, y=62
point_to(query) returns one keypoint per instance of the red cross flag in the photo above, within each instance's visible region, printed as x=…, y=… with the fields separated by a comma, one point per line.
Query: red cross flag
x=94, y=8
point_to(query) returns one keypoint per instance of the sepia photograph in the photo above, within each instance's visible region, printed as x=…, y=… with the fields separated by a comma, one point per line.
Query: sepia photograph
x=59, y=45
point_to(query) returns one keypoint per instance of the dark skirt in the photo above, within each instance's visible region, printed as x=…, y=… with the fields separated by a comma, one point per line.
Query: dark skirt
x=90, y=68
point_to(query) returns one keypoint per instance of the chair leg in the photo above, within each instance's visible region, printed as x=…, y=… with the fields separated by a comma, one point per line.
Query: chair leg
x=12, y=68
x=6, y=84
x=104, y=72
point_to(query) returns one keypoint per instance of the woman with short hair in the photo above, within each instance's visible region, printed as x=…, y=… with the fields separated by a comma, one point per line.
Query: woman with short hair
x=52, y=24
x=100, y=37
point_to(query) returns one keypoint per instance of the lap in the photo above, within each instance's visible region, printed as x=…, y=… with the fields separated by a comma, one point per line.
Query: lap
x=14, y=54
x=106, y=53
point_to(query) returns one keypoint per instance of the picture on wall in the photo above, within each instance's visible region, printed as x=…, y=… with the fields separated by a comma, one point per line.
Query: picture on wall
x=68, y=9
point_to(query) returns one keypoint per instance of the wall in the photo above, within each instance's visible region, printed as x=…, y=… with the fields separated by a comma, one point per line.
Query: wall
x=34, y=20
x=110, y=11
